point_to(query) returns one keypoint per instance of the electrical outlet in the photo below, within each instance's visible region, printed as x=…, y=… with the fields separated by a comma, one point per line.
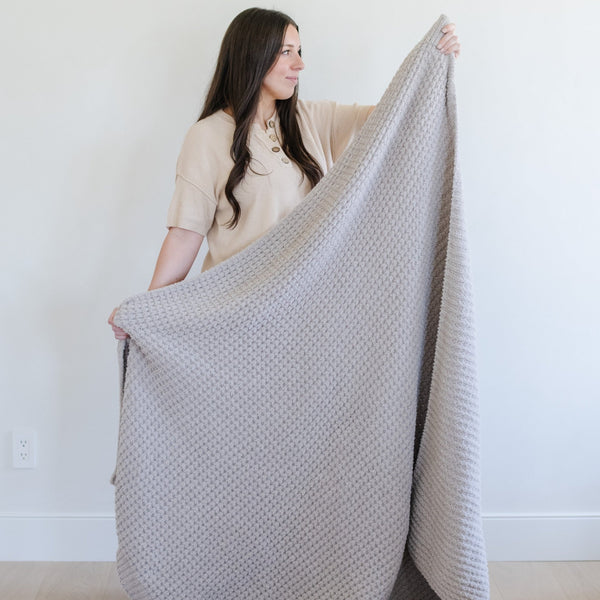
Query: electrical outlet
x=24, y=449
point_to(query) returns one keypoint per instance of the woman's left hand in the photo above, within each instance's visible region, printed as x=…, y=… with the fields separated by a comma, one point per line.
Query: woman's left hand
x=449, y=42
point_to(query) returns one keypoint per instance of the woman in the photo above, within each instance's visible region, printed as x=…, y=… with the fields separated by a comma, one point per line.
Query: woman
x=256, y=150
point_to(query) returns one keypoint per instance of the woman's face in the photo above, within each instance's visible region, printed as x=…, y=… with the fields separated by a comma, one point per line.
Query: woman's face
x=279, y=83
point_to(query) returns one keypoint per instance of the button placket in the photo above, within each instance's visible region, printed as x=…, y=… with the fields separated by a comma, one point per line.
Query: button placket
x=272, y=134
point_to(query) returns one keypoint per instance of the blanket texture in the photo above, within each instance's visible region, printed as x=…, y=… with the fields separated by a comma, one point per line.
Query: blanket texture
x=300, y=422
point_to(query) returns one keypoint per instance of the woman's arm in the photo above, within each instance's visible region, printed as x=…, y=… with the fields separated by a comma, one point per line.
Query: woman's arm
x=175, y=259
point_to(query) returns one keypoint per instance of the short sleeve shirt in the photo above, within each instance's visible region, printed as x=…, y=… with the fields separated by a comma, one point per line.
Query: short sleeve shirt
x=273, y=185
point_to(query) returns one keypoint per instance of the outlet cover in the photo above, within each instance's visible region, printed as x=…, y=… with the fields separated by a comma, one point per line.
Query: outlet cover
x=24, y=448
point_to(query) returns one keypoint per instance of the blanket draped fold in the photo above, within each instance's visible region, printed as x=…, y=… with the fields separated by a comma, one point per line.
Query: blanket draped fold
x=300, y=422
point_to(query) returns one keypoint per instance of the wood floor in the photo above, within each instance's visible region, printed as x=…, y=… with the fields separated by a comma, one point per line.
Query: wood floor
x=99, y=581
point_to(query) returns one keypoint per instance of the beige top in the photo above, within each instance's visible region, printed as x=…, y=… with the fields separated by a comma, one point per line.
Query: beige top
x=272, y=187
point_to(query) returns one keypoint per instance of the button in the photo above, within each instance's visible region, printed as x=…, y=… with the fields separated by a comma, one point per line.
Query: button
x=273, y=137
x=271, y=124
x=276, y=149
x=285, y=160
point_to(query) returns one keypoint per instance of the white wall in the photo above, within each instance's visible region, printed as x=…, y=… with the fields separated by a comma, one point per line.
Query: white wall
x=96, y=99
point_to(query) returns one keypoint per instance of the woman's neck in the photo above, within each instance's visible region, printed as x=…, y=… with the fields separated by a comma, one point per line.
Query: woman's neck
x=263, y=113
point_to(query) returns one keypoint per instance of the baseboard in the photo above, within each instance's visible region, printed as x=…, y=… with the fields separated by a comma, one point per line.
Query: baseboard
x=542, y=537
x=57, y=538
x=92, y=537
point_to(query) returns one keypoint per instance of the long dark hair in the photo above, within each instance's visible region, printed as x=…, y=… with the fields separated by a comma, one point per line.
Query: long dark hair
x=250, y=47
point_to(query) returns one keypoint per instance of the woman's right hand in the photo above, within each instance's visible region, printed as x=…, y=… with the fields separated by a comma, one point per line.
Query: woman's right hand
x=175, y=259
x=119, y=333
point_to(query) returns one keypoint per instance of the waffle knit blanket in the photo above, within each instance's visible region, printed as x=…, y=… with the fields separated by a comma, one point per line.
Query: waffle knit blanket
x=300, y=422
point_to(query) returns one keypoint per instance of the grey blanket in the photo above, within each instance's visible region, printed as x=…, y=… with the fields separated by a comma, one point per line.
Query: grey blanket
x=300, y=422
